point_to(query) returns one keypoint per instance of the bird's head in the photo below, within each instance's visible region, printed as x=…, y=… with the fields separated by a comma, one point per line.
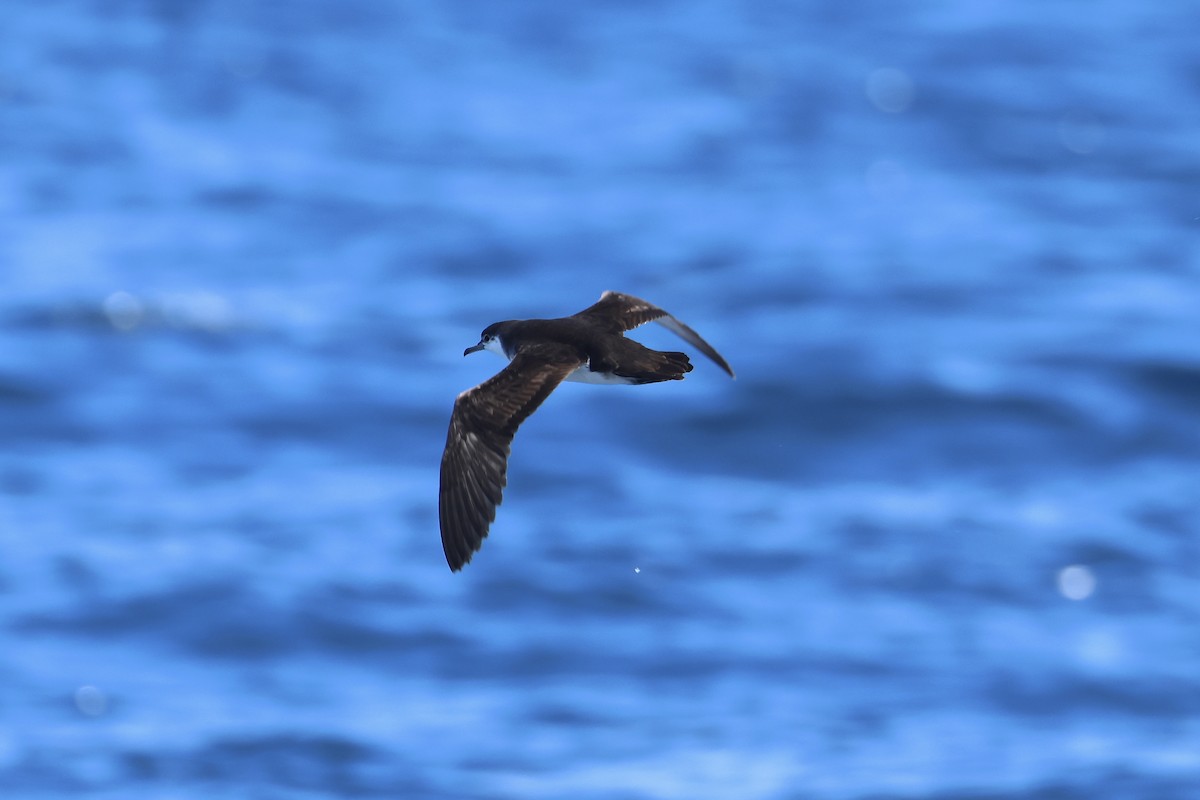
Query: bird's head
x=490, y=339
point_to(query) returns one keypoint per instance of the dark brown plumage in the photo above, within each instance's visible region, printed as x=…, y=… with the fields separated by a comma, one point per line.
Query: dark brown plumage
x=588, y=347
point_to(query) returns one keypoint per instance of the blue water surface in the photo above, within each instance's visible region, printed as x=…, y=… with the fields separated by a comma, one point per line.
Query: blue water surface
x=938, y=540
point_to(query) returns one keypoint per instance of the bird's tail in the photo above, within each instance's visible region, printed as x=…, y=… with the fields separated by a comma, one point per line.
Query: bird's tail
x=652, y=366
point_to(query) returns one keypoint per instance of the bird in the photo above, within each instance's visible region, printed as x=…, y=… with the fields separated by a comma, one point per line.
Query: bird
x=587, y=347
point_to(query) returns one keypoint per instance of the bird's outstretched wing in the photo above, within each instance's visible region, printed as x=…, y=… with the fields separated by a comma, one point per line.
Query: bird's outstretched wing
x=482, y=425
x=623, y=312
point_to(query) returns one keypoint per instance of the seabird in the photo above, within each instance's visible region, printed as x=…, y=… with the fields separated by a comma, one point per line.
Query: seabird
x=589, y=347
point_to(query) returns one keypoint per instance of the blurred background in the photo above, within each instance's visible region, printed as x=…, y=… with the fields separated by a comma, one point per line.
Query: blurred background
x=938, y=539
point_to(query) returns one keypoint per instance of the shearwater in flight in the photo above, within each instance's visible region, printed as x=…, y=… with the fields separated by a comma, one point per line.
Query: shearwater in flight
x=589, y=347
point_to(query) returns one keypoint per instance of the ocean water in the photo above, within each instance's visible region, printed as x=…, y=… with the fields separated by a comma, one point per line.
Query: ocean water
x=940, y=538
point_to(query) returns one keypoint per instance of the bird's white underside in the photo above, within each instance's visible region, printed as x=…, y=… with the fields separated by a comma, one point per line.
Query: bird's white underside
x=582, y=374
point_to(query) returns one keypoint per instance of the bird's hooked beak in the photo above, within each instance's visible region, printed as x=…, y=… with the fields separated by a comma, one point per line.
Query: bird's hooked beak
x=475, y=348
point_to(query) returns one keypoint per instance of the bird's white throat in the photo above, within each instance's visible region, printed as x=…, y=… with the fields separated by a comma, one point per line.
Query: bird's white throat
x=493, y=345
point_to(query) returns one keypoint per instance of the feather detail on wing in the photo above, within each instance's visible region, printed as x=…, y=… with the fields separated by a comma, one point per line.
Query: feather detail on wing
x=482, y=426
